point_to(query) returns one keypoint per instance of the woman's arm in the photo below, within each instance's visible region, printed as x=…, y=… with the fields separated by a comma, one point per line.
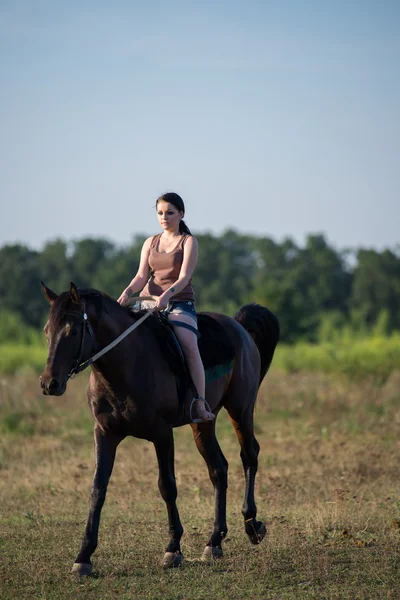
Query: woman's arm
x=190, y=256
x=139, y=281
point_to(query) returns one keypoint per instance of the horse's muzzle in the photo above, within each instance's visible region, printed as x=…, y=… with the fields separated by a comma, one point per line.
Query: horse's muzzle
x=53, y=387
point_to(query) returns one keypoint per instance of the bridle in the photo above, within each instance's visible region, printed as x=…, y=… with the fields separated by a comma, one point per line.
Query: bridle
x=87, y=329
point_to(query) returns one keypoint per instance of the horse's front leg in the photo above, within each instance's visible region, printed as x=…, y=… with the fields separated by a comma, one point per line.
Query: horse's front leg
x=105, y=449
x=164, y=445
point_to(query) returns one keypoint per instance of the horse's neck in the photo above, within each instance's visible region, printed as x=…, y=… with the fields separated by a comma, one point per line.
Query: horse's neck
x=110, y=326
x=124, y=362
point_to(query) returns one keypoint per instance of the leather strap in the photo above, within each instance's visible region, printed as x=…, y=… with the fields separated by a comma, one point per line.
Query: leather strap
x=186, y=326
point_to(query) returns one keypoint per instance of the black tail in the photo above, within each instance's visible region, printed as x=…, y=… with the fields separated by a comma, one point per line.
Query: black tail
x=263, y=326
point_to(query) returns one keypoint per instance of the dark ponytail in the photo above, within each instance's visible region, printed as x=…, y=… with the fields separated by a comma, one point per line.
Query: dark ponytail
x=183, y=228
x=177, y=201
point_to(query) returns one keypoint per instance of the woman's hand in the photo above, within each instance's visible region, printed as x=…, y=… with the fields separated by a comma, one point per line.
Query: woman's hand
x=123, y=299
x=162, y=302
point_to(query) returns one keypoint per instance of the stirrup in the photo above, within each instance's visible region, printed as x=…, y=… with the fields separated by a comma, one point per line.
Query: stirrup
x=207, y=407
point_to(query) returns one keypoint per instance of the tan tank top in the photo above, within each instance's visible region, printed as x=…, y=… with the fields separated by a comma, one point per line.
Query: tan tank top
x=165, y=267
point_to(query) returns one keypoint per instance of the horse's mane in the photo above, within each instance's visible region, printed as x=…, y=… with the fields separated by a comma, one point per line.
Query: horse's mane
x=100, y=300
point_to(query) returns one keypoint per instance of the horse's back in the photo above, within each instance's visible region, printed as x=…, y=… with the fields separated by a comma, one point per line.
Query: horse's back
x=247, y=362
x=237, y=334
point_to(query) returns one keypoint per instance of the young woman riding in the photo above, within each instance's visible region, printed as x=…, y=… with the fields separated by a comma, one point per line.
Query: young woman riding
x=171, y=257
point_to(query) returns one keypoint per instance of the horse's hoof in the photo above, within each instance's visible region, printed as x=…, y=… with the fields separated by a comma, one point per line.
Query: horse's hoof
x=211, y=552
x=172, y=559
x=256, y=536
x=82, y=569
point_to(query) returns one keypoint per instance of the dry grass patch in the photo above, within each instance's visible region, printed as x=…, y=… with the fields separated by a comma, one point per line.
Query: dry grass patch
x=327, y=488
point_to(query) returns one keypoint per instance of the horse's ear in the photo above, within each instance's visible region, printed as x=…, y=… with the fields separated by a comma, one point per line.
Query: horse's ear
x=73, y=292
x=48, y=294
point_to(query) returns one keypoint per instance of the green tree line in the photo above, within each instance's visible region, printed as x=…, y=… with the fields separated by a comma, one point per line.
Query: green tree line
x=314, y=288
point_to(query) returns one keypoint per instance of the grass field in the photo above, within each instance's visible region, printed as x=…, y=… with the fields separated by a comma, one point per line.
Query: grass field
x=328, y=488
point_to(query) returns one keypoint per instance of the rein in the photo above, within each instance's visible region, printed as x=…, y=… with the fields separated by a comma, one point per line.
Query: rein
x=81, y=366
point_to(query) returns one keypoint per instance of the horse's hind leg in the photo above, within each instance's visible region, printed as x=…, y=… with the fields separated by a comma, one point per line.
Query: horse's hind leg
x=164, y=445
x=207, y=445
x=105, y=449
x=249, y=450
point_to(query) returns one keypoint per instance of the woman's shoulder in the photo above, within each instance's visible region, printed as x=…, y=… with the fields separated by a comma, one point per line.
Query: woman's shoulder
x=189, y=240
x=150, y=241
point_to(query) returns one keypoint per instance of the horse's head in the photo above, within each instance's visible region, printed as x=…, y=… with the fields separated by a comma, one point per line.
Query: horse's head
x=65, y=333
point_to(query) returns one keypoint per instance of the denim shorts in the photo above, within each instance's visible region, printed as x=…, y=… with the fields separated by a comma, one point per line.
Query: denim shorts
x=182, y=308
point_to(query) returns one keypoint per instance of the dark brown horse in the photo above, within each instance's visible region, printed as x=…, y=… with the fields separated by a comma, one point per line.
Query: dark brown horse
x=133, y=391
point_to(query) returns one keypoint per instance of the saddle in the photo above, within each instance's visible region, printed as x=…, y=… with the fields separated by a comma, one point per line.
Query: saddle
x=216, y=350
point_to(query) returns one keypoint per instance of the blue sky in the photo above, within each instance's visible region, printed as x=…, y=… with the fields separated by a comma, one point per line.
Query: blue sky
x=270, y=117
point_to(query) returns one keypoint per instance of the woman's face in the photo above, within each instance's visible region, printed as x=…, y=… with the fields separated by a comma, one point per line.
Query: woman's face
x=169, y=216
